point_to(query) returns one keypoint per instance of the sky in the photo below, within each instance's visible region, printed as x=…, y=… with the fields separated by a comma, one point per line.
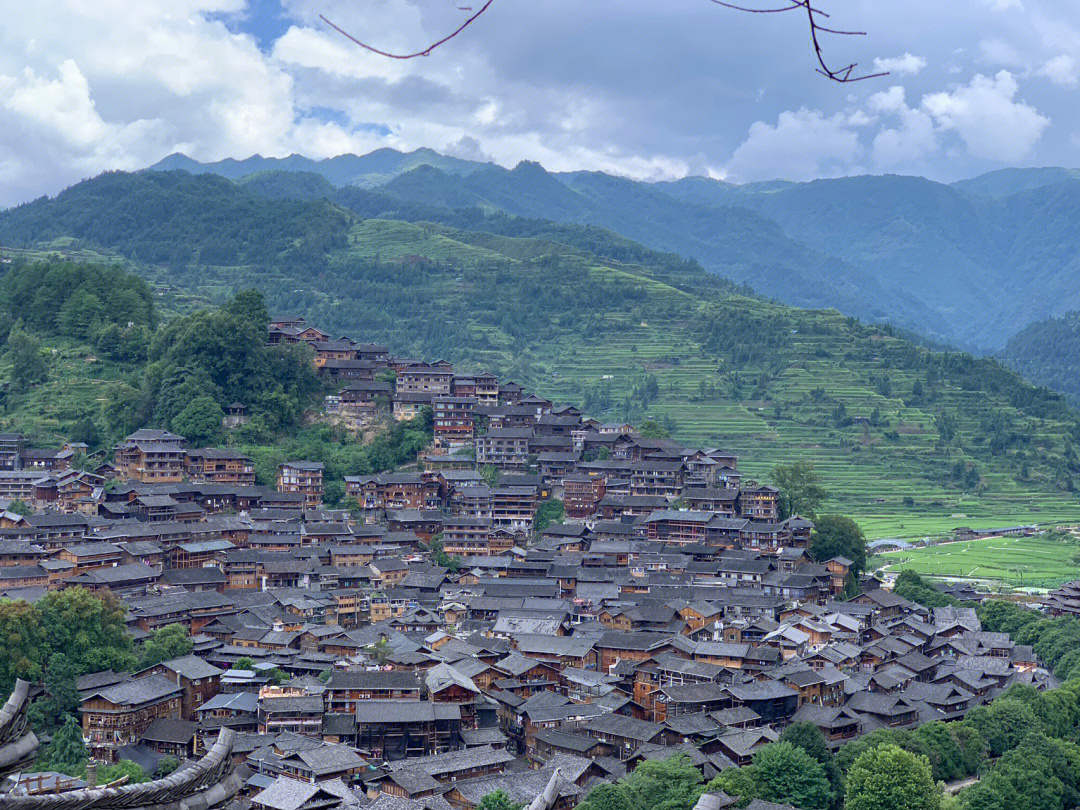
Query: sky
x=651, y=90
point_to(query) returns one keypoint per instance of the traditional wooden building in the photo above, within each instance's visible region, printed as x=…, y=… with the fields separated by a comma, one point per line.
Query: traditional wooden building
x=151, y=456
x=303, y=478
x=117, y=715
x=220, y=467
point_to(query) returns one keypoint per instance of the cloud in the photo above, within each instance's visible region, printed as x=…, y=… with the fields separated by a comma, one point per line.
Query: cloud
x=907, y=144
x=468, y=148
x=1061, y=70
x=997, y=51
x=122, y=84
x=59, y=118
x=988, y=120
x=802, y=145
x=906, y=65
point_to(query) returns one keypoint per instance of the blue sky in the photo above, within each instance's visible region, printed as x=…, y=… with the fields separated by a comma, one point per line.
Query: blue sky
x=645, y=89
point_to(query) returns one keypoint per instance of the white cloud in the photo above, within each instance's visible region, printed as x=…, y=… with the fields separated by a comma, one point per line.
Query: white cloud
x=997, y=51
x=59, y=118
x=121, y=84
x=907, y=144
x=802, y=145
x=906, y=65
x=984, y=114
x=1061, y=70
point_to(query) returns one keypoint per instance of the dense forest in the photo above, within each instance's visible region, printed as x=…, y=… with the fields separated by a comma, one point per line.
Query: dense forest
x=1048, y=352
x=181, y=374
x=176, y=219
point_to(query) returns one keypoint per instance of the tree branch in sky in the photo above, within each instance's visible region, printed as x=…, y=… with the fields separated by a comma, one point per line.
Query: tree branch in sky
x=814, y=16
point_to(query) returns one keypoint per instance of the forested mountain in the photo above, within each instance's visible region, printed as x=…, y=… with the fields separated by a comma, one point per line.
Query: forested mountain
x=1006, y=182
x=1048, y=352
x=963, y=269
x=967, y=264
x=733, y=241
x=907, y=439
x=177, y=219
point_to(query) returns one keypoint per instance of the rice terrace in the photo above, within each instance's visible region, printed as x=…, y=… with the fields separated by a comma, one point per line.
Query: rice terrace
x=1041, y=561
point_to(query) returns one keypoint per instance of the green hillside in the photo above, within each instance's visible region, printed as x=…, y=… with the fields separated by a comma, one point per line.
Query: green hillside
x=959, y=267
x=1049, y=353
x=967, y=264
x=909, y=441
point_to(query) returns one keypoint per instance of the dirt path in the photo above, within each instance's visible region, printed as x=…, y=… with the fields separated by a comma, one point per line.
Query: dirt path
x=956, y=787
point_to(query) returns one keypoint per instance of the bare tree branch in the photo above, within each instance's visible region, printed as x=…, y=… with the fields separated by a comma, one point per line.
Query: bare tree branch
x=426, y=52
x=841, y=75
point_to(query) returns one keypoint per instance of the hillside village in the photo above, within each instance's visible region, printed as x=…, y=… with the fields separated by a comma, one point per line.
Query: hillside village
x=540, y=604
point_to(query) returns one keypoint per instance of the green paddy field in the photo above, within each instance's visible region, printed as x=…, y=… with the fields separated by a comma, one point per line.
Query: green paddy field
x=1030, y=562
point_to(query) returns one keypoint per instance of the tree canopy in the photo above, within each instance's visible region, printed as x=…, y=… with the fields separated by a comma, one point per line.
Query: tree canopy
x=838, y=536
x=801, y=492
x=889, y=778
x=170, y=641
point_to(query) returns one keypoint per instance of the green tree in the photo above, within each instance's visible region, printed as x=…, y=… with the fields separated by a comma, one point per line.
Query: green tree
x=606, y=796
x=79, y=313
x=498, y=800
x=121, y=768
x=1041, y=773
x=890, y=778
x=88, y=628
x=1056, y=710
x=250, y=305
x=664, y=784
x=547, y=513
x=784, y=773
x=809, y=738
x=199, y=421
x=170, y=641
x=838, y=536
x=67, y=752
x=1003, y=724
x=737, y=782
x=23, y=640
x=243, y=663
x=801, y=492
x=165, y=766
x=28, y=364
x=60, y=683
x=651, y=429
x=490, y=473
x=912, y=586
x=334, y=493
x=85, y=431
x=20, y=507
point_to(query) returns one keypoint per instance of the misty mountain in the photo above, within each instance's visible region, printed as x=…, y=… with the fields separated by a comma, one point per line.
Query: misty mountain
x=367, y=170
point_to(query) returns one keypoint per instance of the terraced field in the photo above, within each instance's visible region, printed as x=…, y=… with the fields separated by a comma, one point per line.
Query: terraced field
x=1033, y=562
x=657, y=337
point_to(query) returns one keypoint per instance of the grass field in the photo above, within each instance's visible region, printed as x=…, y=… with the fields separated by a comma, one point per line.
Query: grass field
x=1036, y=562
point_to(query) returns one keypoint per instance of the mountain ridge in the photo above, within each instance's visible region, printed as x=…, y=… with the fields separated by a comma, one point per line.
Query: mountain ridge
x=939, y=260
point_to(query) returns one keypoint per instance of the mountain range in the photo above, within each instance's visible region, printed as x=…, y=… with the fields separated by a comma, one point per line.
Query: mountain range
x=907, y=439
x=968, y=264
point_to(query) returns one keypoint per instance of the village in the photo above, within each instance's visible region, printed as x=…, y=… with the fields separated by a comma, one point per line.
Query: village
x=443, y=638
